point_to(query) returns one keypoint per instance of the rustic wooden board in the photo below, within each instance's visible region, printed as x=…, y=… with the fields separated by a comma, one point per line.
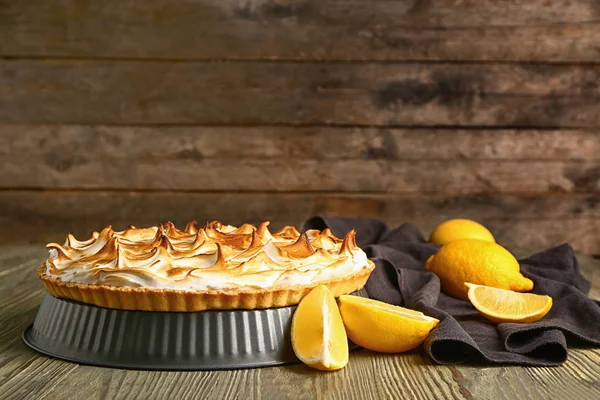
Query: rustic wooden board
x=73, y=170
x=119, y=92
x=516, y=220
x=20, y=294
x=411, y=375
x=581, y=234
x=309, y=29
x=285, y=158
x=32, y=142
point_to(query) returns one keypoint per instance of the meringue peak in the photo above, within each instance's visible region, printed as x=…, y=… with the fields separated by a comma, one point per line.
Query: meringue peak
x=301, y=248
x=191, y=227
x=208, y=257
x=349, y=243
x=287, y=232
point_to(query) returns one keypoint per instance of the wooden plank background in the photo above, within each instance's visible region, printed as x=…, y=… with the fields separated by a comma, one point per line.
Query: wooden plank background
x=121, y=112
x=530, y=30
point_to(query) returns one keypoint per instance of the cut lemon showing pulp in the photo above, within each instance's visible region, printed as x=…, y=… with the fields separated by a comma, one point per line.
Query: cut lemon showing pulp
x=318, y=335
x=383, y=327
x=501, y=305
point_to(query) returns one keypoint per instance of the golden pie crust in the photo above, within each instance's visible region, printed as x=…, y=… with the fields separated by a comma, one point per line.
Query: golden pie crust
x=150, y=299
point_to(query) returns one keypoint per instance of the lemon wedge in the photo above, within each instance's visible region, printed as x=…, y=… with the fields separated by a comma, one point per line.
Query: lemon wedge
x=318, y=336
x=383, y=327
x=500, y=305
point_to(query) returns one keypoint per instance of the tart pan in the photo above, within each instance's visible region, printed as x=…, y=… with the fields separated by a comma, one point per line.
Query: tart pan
x=205, y=340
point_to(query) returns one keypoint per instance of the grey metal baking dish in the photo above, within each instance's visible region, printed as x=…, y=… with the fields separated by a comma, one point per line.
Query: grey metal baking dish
x=207, y=340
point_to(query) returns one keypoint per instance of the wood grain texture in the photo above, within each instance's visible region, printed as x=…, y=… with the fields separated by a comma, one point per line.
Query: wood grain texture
x=576, y=379
x=356, y=381
x=563, y=31
x=24, y=373
x=516, y=220
x=74, y=171
x=560, y=383
x=135, y=143
x=382, y=94
x=284, y=159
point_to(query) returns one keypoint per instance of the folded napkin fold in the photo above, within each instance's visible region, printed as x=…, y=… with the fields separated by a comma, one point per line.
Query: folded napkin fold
x=463, y=335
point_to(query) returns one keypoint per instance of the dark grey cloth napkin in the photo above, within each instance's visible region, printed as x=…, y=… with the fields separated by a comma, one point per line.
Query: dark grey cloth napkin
x=463, y=335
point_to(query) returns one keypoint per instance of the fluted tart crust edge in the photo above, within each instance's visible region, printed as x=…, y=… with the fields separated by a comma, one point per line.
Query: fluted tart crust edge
x=150, y=299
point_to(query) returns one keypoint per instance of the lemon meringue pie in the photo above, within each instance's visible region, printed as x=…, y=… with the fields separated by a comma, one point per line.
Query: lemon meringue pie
x=162, y=268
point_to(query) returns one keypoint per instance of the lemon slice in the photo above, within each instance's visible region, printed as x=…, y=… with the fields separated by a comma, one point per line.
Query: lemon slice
x=500, y=305
x=383, y=327
x=318, y=335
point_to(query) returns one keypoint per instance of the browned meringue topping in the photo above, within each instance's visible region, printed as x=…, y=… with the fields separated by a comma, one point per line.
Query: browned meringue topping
x=215, y=256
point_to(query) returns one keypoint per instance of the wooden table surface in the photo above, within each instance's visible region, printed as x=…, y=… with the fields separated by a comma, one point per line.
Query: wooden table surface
x=27, y=374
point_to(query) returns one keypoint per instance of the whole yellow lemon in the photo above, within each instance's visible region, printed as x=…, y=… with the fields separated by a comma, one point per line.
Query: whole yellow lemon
x=454, y=229
x=476, y=261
